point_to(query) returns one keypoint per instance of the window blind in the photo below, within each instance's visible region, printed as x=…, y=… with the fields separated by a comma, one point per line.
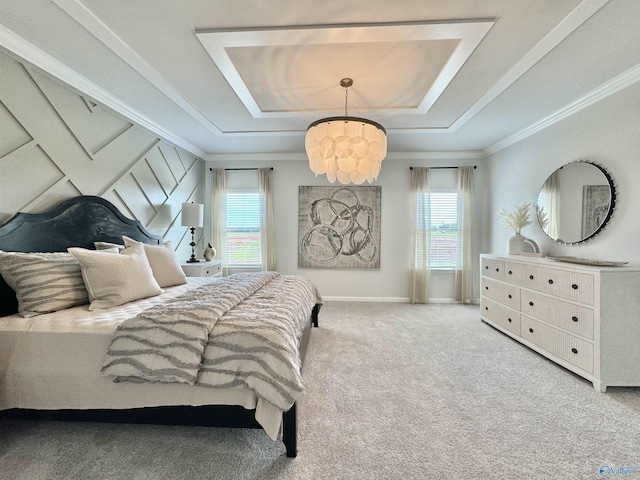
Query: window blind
x=242, y=233
x=441, y=211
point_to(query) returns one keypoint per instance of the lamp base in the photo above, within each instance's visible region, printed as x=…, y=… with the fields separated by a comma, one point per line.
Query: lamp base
x=193, y=258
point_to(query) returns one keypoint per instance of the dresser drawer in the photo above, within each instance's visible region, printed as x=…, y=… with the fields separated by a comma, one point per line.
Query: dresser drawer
x=504, y=293
x=567, y=316
x=572, y=349
x=203, y=269
x=574, y=286
x=493, y=268
x=527, y=276
x=513, y=272
x=500, y=315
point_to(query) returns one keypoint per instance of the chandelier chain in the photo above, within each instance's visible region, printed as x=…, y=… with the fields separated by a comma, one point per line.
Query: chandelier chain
x=346, y=98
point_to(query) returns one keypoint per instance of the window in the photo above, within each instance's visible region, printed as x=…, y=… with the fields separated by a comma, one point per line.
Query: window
x=241, y=241
x=441, y=209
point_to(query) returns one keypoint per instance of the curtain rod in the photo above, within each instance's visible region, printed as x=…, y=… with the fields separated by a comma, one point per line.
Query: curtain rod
x=443, y=168
x=237, y=169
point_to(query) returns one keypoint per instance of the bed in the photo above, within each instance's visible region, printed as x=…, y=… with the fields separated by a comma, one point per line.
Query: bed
x=50, y=362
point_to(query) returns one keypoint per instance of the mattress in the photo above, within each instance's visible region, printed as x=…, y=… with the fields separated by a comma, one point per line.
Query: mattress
x=52, y=362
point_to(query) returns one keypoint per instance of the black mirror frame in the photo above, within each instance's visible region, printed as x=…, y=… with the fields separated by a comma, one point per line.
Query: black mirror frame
x=612, y=204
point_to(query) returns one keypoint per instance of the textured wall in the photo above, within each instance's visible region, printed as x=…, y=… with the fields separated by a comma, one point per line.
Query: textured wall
x=55, y=144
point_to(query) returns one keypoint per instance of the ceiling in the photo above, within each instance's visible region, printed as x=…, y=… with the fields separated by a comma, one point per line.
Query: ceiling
x=226, y=76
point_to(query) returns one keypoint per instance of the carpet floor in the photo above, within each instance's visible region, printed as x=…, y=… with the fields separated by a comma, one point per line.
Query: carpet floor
x=393, y=391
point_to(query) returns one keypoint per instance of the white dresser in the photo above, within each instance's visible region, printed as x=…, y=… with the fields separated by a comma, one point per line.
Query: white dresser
x=585, y=318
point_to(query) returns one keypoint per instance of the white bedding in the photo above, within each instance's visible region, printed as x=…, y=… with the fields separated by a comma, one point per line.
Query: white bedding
x=77, y=339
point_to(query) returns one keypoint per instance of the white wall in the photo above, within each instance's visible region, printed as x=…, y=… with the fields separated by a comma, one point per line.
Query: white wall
x=56, y=143
x=605, y=133
x=391, y=281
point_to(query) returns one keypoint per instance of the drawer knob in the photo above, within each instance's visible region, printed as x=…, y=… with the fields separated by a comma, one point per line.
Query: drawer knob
x=574, y=350
x=550, y=281
x=531, y=277
x=486, y=288
x=207, y=272
x=497, y=269
x=510, y=272
x=574, y=286
x=509, y=320
x=531, y=330
x=531, y=304
x=486, y=267
x=509, y=296
x=486, y=308
x=574, y=318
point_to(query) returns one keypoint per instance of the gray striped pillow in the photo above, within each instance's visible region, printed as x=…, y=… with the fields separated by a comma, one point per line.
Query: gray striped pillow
x=43, y=282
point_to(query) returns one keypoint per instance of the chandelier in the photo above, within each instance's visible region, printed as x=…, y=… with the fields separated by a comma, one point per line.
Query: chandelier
x=349, y=149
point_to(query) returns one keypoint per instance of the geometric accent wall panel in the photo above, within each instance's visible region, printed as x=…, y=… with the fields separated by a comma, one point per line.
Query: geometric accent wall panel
x=62, y=191
x=158, y=164
x=178, y=169
x=27, y=173
x=93, y=125
x=149, y=184
x=57, y=143
x=132, y=195
x=12, y=136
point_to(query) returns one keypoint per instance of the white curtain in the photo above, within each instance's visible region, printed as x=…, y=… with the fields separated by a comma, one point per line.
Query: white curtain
x=550, y=197
x=267, y=227
x=419, y=280
x=218, y=213
x=464, y=277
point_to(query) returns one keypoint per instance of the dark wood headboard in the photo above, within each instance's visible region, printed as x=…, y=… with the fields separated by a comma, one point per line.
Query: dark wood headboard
x=77, y=222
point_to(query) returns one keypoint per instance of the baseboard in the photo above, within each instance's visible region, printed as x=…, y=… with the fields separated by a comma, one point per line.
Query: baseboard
x=450, y=300
x=443, y=300
x=367, y=299
x=385, y=299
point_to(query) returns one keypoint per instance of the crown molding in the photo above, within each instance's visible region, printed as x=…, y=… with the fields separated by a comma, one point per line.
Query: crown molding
x=435, y=155
x=255, y=157
x=585, y=10
x=22, y=50
x=299, y=156
x=614, y=85
x=113, y=42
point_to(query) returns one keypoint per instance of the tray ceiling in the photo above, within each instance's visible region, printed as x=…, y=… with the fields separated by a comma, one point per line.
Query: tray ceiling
x=398, y=69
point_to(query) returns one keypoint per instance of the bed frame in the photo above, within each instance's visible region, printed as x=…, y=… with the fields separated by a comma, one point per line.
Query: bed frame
x=78, y=222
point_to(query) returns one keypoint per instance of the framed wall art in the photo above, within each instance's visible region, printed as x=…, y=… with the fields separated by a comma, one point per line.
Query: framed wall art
x=339, y=227
x=595, y=207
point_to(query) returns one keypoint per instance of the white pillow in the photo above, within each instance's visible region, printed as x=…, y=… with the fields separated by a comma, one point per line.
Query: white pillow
x=112, y=279
x=43, y=282
x=164, y=263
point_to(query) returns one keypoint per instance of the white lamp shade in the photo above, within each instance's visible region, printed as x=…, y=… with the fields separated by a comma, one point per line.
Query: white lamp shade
x=192, y=215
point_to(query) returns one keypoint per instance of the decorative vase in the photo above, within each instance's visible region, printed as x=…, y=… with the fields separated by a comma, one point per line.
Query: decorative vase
x=209, y=252
x=515, y=244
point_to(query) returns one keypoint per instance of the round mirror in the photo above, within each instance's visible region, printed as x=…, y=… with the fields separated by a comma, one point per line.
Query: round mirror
x=575, y=202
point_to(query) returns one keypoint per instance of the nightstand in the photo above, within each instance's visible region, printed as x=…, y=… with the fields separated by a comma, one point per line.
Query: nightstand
x=202, y=269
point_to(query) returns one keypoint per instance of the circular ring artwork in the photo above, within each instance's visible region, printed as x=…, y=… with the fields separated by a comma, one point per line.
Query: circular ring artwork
x=339, y=227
